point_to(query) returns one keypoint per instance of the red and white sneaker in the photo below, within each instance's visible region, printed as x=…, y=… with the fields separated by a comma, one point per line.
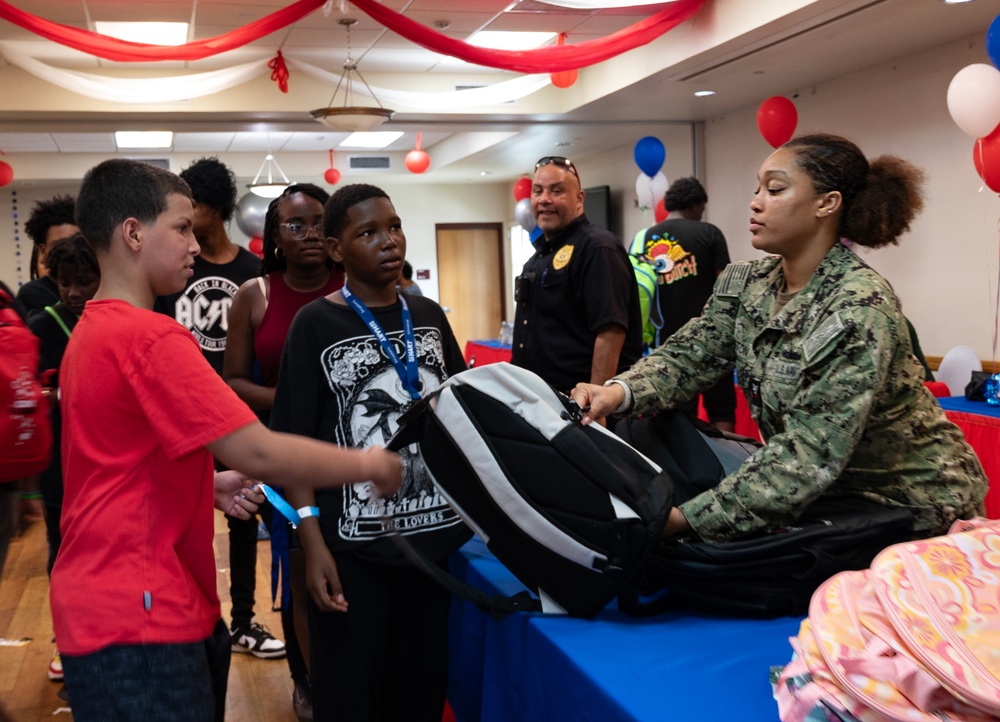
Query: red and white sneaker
x=55, y=666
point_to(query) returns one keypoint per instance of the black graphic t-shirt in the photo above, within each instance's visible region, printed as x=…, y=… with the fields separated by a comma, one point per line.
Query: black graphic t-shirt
x=687, y=256
x=203, y=307
x=336, y=384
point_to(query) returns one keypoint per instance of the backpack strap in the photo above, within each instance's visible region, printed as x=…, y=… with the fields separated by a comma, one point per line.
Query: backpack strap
x=496, y=605
x=62, y=324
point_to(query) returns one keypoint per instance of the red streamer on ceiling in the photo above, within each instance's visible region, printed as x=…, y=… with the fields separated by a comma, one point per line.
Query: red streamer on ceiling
x=550, y=59
x=127, y=52
x=279, y=71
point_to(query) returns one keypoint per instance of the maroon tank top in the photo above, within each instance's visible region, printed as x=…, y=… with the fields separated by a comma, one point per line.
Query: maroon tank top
x=282, y=305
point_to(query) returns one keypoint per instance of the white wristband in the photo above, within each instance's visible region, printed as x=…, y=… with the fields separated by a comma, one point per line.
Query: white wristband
x=308, y=511
x=626, y=403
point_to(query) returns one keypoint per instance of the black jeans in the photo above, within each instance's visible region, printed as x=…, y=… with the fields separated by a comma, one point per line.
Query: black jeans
x=151, y=682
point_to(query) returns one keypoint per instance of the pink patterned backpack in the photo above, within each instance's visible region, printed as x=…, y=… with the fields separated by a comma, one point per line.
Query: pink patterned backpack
x=916, y=637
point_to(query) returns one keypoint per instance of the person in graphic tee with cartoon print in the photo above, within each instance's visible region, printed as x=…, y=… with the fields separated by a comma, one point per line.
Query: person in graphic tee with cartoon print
x=684, y=255
x=354, y=361
x=577, y=316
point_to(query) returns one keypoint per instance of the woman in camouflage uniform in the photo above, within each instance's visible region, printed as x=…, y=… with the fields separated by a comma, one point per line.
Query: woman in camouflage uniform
x=822, y=353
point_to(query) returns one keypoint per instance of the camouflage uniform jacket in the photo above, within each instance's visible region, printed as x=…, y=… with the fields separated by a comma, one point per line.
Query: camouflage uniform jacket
x=833, y=386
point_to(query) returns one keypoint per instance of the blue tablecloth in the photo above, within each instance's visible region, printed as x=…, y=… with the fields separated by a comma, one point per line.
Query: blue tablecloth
x=677, y=666
x=960, y=403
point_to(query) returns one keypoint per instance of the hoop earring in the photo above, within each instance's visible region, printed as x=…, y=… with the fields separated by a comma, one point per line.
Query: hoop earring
x=277, y=253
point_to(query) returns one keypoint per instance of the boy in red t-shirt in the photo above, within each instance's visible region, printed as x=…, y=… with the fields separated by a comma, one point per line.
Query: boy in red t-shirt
x=133, y=591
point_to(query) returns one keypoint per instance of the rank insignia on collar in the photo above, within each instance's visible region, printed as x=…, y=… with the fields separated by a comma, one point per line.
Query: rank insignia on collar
x=562, y=257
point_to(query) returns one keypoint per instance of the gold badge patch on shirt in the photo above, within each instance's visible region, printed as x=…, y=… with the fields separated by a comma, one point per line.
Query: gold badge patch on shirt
x=562, y=258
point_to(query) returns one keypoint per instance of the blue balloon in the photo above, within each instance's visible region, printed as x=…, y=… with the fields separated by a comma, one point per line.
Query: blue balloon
x=649, y=155
x=993, y=41
x=535, y=234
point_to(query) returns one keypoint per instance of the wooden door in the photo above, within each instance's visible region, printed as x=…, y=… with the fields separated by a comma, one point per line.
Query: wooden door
x=470, y=278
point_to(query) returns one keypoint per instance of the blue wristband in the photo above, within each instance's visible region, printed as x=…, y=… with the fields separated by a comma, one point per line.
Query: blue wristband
x=307, y=511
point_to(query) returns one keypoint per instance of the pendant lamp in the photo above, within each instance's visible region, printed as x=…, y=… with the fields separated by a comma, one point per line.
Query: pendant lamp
x=348, y=117
x=273, y=183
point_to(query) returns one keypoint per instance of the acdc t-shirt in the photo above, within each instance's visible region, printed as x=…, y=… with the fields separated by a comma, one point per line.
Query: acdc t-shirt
x=203, y=307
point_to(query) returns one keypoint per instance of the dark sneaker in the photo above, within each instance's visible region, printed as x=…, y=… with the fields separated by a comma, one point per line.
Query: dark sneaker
x=259, y=642
x=301, y=702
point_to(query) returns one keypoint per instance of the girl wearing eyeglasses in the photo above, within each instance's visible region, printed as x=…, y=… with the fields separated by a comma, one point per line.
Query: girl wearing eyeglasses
x=296, y=269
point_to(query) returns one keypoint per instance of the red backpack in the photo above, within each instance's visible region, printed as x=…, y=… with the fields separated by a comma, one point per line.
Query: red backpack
x=25, y=429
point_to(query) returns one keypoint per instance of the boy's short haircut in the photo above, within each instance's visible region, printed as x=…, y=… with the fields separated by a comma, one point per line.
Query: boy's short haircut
x=212, y=184
x=122, y=188
x=684, y=193
x=73, y=255
x=335, y=212
x=56, y=211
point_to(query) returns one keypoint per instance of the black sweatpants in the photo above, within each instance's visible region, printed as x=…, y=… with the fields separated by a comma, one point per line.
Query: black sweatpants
x=386, y=659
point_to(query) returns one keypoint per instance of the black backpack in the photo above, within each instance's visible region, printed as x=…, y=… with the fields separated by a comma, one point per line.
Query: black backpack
x=571, y=510
x=769, y=574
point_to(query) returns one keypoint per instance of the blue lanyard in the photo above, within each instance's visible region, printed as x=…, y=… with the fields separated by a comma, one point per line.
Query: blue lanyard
x=408, y=374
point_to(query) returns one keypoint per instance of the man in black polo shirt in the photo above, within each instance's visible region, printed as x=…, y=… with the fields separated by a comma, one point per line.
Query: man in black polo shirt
x=578, y=314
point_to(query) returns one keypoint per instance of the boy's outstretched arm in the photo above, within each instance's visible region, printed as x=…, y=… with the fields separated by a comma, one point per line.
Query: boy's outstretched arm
x=292, y=460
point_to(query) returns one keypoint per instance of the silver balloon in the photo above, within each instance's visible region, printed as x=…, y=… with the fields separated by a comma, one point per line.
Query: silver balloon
x=250, y=213
x=523, y=215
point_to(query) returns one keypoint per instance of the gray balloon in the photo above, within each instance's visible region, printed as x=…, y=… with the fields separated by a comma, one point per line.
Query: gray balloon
x=250, y=212
x=523, y=214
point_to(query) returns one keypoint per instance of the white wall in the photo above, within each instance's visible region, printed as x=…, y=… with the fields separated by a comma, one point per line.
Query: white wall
x=945, y=269
x=419, y=206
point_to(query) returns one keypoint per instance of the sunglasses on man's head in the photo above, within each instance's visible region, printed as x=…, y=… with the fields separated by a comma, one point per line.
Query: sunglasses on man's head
x=557, y=160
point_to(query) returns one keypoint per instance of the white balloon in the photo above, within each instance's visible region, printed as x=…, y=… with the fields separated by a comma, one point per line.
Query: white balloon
x=974, y=99
x=523, y=214
x=658, y=184
x=250, y=212
x=644, y=192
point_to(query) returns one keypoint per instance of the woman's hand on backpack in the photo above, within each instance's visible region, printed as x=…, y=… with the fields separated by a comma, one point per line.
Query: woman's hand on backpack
x=676, y=523
x=597, y=401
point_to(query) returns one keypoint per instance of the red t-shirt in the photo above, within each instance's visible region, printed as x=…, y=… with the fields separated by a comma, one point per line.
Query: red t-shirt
x=140, y=403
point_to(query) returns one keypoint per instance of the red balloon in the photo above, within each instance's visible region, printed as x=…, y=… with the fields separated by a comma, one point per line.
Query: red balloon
x=256, y=246
x=522, y=189
x=332, y=176
x=6, y=173
x=564, y=78
x=986, y=158
x=776, y=120
x=417, y=161
x=660, y=212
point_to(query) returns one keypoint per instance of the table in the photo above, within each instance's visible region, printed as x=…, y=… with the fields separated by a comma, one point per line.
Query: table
x=486, y=351
x=980, y=423
x=681, y=665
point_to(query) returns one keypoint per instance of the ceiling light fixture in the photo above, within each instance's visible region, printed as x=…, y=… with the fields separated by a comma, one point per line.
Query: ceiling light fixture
x=269, y=187
x=376, y=140
x=144, y=138
x=510, y=40
x=349, y=117
x=172, y=34
x=703, y=93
